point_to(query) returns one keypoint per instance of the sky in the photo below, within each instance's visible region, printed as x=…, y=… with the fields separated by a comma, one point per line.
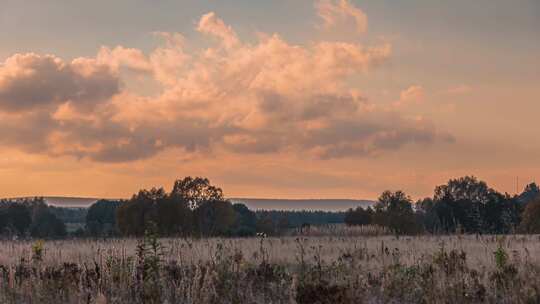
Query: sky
x=269, y=99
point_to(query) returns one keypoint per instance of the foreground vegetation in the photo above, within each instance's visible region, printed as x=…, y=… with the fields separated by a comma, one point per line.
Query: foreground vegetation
x=361, y=269
x=466, y=244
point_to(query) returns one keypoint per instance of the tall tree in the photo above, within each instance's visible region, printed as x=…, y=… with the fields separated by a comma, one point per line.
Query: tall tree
x=174, y=217
x=16, y=217
x=101, y=218
x=530, y=193
x=467, y=188
x=134, y=215
x=468, y=204
x=394, y=210
x=46, y=225
x=195, y=191
x=215, y=218
x=531, y=217
x=246, y=221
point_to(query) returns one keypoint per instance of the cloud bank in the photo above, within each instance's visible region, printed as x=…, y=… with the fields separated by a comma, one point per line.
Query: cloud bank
x=263, y=97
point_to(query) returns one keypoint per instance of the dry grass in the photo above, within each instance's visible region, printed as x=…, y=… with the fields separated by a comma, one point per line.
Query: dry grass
x=360, y=269
x=479, y=249
x=340, y=230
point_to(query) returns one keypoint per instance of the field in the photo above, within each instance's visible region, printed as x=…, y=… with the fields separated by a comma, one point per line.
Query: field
x=299, y=269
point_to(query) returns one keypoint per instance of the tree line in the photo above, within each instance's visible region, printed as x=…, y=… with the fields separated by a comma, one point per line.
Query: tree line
x=30, y=217
x=463, y=205
x=195, y=207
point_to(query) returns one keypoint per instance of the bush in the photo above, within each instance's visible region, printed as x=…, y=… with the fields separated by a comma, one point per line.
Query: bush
x=531, y=217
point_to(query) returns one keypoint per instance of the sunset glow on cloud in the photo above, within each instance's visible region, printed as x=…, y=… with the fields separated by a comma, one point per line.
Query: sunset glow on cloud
x=255, y=111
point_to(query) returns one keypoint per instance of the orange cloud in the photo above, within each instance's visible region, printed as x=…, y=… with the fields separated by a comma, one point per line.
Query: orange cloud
x=412, y=95
x=212, y=25
x=30, y=81
x=125, y=57
x=249, y=98
x=333, y=12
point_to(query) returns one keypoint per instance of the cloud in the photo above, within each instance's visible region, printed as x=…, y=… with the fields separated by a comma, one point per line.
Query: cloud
x=333, y=12
x=412, y=95
x=29, y=81
x=26, y=132
x=124, y=57
x=167, y=62
x=263, y=97
x=212, y=25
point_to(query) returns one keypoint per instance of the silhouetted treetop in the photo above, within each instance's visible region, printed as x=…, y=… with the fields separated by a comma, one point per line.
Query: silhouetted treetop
x=152, y=195
x=389, y=201
x=394, y=211
x=196, y=191
x=530, y=193
x=467, y=188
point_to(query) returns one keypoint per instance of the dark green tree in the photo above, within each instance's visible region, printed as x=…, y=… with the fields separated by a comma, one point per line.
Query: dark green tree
x=213, y=218
x=531, y=217
x=530, y=193
x=246, y=221
x=427, y=215
x=394, y=211
x=467, y=188
x=174, y=213
x=46, y=225
x=15, y=218
x=101, y=218
x=174, y=216
x=195, y=191
x=134, y=215
x=358, y=216
x=468, y=205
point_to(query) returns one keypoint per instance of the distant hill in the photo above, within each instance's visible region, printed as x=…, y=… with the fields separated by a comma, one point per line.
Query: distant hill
x=65, y=202
x=302, y=204
x=252, y=203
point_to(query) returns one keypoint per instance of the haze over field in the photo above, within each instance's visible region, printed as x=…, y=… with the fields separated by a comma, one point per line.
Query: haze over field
x=279, y=99
x=251, y=203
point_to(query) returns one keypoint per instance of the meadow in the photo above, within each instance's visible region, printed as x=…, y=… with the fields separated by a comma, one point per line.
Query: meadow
x=311, y=267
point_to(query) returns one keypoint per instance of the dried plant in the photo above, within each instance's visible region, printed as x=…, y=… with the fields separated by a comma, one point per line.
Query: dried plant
x=329, y=269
